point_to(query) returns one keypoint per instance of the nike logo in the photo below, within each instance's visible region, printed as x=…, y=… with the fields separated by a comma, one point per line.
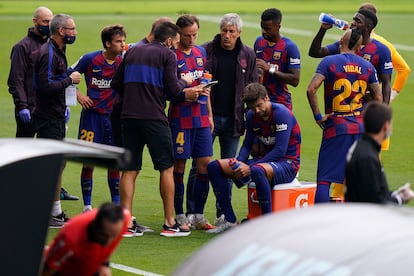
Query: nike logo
x=96, y=70
x=180, y=65
x=259, y=51
x=256, y=128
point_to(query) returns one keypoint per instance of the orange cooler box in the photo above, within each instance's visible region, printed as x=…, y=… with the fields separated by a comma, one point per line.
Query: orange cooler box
x=284, y=196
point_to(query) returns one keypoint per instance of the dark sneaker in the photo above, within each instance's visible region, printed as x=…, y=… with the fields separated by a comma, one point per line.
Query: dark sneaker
x=174, y=231
x=133, y=231
x=58, y=221
x=64, y=195
x=143, y=228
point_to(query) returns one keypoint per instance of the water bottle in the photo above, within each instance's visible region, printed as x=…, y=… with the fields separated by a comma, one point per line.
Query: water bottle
x=330, y=19
x=234, y=164
x=207, y=77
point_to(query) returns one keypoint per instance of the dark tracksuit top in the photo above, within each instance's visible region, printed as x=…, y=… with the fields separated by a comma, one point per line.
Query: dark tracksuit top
x=22, y=59
x=51, y=80
x=365, y=177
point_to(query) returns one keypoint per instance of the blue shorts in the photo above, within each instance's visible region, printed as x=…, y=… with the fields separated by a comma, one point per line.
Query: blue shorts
x=95, y=127
x=283, y=171
x=332, y=158
x=194, y=142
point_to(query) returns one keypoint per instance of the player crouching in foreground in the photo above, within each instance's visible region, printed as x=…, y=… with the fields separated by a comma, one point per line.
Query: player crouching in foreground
x=84, y=245
x=277, y=160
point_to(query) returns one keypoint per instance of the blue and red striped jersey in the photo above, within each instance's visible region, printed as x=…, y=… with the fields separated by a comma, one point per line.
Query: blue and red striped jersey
x=285, y=54
x=279, y=134
x=187, y=115
x=98, y=76
x=375, y=52
x=347, y=77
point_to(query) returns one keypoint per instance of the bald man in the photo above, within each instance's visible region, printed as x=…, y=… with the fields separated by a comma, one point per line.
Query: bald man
x=20, y=80
x=346, y=77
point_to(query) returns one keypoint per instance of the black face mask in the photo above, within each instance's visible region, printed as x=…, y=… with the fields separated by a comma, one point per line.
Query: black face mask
x=69, y=39
x=43, y=30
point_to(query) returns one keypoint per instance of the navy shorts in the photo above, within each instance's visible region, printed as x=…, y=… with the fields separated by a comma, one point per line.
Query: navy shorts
x=194, y=142
x=155, y=134
x=95, y=127
x=332, y=158
x=284, y=171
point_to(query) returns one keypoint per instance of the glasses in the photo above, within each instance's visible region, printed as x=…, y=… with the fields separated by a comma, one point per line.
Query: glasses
x=72, y=29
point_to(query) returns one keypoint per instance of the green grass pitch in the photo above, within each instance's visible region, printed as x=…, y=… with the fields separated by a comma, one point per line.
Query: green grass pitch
x=300, y=22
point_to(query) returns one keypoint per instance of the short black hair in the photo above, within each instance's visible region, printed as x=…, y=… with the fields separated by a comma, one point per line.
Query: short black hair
x=272, y=14
x=376, y=114
x=164, y=31
x=369, y=15
x=109, y=211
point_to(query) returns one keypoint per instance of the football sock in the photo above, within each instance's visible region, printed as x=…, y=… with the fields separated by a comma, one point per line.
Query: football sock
x=56, y=208
x=221, y=190
x=179, y=193
x=263, y=191
x=322, y=192
x=113, y=184
x=201, y=189
x=189, y=193
x=86, y=184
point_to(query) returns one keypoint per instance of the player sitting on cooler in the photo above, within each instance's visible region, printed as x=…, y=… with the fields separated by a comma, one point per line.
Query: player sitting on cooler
x=276, y=161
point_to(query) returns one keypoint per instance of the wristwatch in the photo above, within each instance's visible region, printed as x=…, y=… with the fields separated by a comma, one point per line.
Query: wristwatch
x=272, y=69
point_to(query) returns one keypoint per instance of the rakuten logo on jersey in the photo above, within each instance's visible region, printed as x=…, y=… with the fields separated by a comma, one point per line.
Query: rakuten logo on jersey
x=281, y=127
x=294, y=61
x=101, y=83
x=388, y=65
x=194, y=74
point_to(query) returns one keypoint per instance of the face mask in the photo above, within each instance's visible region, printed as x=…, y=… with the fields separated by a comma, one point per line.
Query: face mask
x=43, y=30
x=69, y=39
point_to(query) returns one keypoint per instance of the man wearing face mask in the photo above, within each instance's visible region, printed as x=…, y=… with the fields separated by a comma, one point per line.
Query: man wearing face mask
x=22, y=59
x=365, y=177
x=84, y=245
x=50, y=77
x=20, y=82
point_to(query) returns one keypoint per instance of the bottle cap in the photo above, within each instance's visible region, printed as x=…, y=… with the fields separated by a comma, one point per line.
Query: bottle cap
x=207, y=75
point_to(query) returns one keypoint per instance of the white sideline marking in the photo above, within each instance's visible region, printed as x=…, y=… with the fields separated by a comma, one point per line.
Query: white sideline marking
x=296, y=31
x=133, y=270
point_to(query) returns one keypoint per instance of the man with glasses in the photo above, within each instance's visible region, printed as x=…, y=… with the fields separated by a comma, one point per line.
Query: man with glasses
x=50, y=76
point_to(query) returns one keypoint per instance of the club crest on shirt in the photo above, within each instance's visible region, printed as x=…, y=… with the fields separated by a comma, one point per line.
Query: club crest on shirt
x=180, y=150
x=199, y=61
x=367, y=57
x=277, y=55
